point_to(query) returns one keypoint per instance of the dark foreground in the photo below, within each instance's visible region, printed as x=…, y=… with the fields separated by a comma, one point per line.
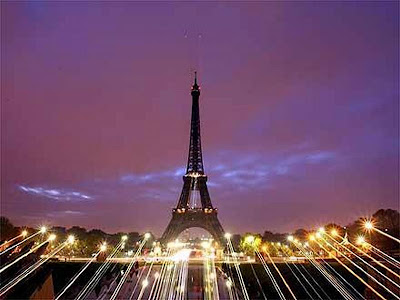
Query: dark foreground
x=304, y=279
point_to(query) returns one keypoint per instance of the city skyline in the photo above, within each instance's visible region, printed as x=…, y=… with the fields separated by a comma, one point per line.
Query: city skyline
x=299, y=123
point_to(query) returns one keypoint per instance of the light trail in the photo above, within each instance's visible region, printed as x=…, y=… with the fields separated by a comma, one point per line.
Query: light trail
x=98, y=274
x=21, y=242
x=316, y=283
x=31, y=269
x=373, y=259
x=23, y=256
x=238, y=271
x=183, y=279
x=328, y=276
x=169, y=291
x=297, y=278
x=230, y=284
x=385, y=256
x=141, y=274
x=340, y=279
x=271, y=276
x=280, y=274
x=258, y=282
x=180, y=259
x=283, y=250
x=362, y=270
x=161, y=282
x=22, y=234
x=213, y=276
x=385, y=234
x=125, y=276
x=138, y=280
x=165, y=283
x=71, y=282
x=177, y=287
x=236, y=265
x=158, y=278
x=210, y=276
x=352, y=272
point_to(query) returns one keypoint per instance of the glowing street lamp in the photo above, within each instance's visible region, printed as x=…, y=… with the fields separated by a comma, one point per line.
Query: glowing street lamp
x=52, y=237
x=103, y=247
x=228, y=236
x=124, y=237
x=321, y=230
x=249, y=239
x=334, y=232
x=24, y=233
x=290, y=238
x=360, y=240
x=43, y=229
x=71, y=239
x=147, y=236
x=368, y=225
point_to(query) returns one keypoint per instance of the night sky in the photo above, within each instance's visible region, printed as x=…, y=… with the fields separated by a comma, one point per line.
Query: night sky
x=299, y=111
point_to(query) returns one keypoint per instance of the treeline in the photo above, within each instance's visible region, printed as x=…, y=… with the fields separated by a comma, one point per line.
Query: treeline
x=87, y=241
x=387, y=220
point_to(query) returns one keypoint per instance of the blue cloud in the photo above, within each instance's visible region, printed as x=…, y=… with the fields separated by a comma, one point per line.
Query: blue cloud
x=62, y=195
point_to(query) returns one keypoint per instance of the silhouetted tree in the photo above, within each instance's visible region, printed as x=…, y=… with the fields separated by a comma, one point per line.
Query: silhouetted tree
x=7, y=229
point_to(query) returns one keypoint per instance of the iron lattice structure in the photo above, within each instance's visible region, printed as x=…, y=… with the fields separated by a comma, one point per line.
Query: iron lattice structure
x=194, y=208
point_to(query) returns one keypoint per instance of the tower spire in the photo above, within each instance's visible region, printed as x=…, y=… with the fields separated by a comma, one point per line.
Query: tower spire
x=195, y=159
x=195, y=87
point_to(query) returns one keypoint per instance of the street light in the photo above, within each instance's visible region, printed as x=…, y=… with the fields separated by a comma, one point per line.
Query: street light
x=360, y=240
x=250, y=239
x=368, y=225
x=71, y=239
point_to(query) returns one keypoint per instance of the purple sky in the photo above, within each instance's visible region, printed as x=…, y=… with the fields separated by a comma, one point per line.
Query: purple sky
x=299, y=111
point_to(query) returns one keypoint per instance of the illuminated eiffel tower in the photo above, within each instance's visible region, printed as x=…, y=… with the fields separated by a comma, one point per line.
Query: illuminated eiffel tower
x=194, y=207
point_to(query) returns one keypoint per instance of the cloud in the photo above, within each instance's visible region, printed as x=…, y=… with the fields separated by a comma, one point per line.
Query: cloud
x=229, y=169
x=65, y=213
x=56, y=194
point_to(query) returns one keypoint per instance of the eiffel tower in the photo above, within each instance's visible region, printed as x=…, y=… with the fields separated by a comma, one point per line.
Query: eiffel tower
x=194, y=207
